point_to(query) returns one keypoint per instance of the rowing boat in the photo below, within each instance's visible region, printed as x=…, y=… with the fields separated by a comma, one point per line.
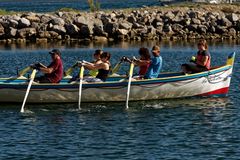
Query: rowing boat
x=214, y=82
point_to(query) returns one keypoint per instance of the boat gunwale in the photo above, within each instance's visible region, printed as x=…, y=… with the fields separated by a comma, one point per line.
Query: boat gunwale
x=115, y=83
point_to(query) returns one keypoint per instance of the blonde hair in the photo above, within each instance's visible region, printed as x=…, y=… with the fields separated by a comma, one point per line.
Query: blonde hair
x=203, y=42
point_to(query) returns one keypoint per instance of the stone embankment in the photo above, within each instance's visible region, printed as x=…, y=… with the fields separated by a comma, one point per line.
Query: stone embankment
x=144, y=24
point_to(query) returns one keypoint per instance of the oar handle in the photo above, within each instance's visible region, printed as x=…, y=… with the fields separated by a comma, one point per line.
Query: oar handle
x=81, y=73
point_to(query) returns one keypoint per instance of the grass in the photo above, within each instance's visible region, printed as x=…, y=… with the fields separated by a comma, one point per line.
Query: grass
x=4, y=12
x=68, y=10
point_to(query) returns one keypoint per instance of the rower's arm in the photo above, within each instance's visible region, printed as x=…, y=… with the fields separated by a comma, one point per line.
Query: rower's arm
x=46, y=70
x=142, y=62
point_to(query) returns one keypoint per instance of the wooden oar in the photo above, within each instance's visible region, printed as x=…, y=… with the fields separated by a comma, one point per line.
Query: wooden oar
x=24, y=71
x=80, y=86
x=116, y=68
x=129, y=82
x=28, y=89
x=70, y=70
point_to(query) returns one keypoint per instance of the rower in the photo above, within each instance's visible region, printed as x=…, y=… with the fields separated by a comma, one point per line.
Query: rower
x=52, y=73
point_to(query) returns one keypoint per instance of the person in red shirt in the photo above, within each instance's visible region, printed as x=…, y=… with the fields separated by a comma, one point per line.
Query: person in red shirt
x=143, y=62
x=54, y=72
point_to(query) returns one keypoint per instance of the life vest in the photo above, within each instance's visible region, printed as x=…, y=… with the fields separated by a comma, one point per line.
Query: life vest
x=201, y=55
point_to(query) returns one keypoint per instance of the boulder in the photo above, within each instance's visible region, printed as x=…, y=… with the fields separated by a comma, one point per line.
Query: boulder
x=12, y=32
x=57, y=21
x=125, y=25
x=233, y=17
x=59, y=29
x=202, y=29
x=196, y=21
x=81, y=20
x=221, y=30
x=13, y=23
x=177, y=27
x=23, y=23
x=86, y=31
x=224, y=22
x=100, y=39
x=122, y=31
x=168, y=15
x=131, y=19
x=232, y=32
x=26, y=32
x=44, y=34
x=33, y=18
x=45, y=18
x=98, y=31
x=2, y=32
x=72, y=30
x=110, y=28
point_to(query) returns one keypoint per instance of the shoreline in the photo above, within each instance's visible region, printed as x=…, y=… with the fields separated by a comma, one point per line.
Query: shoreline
x=173, y=23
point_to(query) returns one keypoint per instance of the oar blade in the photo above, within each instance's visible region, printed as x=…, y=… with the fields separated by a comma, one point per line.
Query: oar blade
x=24, y=71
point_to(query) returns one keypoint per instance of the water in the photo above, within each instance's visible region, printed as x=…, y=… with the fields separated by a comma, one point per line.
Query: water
x=53, y=5
x=190, y=128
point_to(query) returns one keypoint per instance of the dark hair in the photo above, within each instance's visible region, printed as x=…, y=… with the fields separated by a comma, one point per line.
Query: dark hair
x=105, y=55
x=98, y=52
x=203, y=42
x=145, y=53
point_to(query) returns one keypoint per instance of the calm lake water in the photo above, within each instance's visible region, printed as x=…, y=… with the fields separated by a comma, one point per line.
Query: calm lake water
x=190, y=128
x=53, y=5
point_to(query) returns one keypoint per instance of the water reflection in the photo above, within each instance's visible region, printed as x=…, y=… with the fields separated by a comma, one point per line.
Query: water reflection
x=119, y=44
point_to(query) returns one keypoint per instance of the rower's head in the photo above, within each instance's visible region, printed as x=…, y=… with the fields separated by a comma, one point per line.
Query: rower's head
x=55, y=53
x=202, y=45
x=144, y=53
x=105, y=56
x=97, y=54
x=156, y=51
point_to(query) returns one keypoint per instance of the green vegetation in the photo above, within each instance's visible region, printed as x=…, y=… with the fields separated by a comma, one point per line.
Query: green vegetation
x=4, y=12
x=93, y=5
x=68, y=10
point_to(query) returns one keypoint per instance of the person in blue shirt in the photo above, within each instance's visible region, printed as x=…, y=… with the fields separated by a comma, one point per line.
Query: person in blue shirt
x=155, y=65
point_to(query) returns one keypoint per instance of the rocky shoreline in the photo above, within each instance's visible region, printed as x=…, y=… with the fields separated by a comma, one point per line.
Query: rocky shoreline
x=120, y=25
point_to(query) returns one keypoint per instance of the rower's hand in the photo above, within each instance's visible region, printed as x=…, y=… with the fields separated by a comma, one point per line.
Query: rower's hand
x=135, y=59
x=35, y=66
x=125, y=59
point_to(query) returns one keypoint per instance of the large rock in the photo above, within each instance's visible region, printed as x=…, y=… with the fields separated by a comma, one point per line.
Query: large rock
x=131, y=19
x=98, y=31
x=196, y=21
x=45, y=18
x=44, y=34
x=72, y=30
x=86, y=31
x=81, y=20
x=12, y=32
x=125, y=25
x=221, y=30
x=33, y=18
x=202, y=29
x=2, y=32
x=23, y=23
x=169, y=15
x=57, y=21
x=111, y=28
x=26, y=32
x=177, y=27
x=233, y=17
x=59, y=29
x=122, y=31
x=224, y=22
x=13, y=23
